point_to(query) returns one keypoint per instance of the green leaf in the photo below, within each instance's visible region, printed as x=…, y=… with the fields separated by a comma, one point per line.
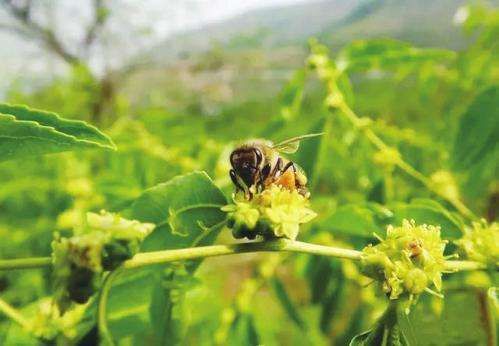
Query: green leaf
x=292, y=95
x=332, y=302
x=311, y=152
x=346, y=89
x=243, y=331
x=478, y=133
x=291, y=102
x=429, y=212
x=183, y=209
x=387, y=331
x=359, y=220
x=326, y=282
x=362, y=220
x=168, y=295
x=465, y=317
x=387, y=53
x=129, y=301
x=28, y=132
x=187, y=213
x=287, y=303
x=320, y=271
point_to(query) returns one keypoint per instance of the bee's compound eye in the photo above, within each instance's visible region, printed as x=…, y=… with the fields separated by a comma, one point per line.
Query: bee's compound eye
x=258, y=155
x=234, y=156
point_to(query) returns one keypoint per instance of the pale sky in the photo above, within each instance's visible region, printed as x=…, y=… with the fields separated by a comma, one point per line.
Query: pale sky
x=134, y=25
x=186, y=14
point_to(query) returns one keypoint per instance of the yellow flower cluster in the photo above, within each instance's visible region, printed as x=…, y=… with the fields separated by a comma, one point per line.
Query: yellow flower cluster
x=387, y=158
x=102, y=242
x=276, y=212
x=408, y=261
x=481, y=242
x=87, y=245
x=48, y=323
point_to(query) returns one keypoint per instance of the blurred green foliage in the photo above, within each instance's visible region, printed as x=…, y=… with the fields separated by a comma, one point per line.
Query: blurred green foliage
x=438, y=107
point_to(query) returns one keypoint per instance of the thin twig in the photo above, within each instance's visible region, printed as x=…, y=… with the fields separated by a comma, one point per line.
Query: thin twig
x=13, y=314
x=25, y=263
x=104, y=331
x=157, y=257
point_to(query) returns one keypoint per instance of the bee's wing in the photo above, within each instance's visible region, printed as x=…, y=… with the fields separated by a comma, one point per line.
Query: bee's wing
x=291, y=145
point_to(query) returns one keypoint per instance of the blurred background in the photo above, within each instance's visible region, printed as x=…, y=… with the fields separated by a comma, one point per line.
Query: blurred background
x=176, y=84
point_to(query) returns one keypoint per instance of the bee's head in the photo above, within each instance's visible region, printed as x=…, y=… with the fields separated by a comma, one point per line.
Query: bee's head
x=246, y=162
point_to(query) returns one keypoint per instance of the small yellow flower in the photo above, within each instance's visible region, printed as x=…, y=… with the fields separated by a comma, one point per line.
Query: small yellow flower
x=243, y=213
x=387, y=158
x=334, y=100
x=276, y=212
x=317, y=61
x=444, y=183
x=481, y=242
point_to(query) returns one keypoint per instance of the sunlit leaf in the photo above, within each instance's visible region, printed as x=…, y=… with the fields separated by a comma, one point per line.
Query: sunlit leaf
x=243, y=331
x=310, y=155
x=292, y=95
x=387, y=53
x=360, y=220
x=464, y=317
x=290, y=104
x=478, y=133
x=387, y=331
x=287, y=303
x=28, y=132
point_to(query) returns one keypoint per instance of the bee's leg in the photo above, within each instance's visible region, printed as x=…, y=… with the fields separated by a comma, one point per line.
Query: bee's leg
x=277, y=168
x=289, y=165
x=302, y=190
x=233, y=177
x=264, y=174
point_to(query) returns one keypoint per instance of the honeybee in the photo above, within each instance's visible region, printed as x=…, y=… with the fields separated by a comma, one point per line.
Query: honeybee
x=259, y=163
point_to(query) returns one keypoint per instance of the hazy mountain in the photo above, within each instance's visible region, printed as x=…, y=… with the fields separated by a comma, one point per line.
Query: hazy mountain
x=263, y=27
x=423, y=22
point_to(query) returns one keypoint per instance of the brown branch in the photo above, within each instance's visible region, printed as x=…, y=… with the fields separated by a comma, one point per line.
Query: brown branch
x=21, y=11
x=100, y=15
